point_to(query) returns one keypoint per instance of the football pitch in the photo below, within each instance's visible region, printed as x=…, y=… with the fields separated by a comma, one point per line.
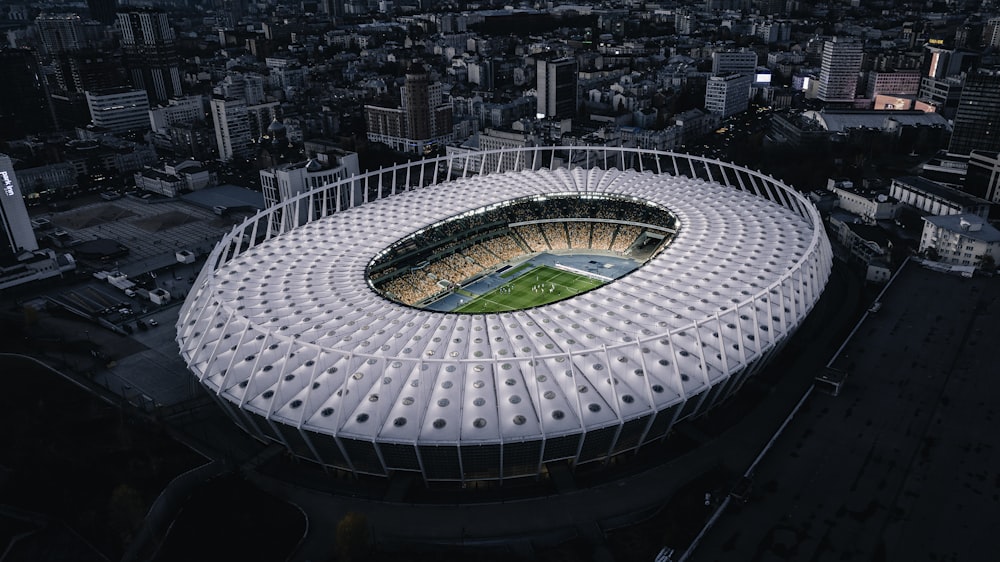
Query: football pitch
x=536, y=287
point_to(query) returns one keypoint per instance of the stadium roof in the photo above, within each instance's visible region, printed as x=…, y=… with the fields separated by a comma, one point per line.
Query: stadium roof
x=291, y=330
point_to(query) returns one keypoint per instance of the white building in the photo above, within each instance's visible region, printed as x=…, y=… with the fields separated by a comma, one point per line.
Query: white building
x=838, y=76
x=176, y=111
x=960, y=239
x=232, y=128
x=870, y=205
x=175, y=178
x=936, y=199
x=284, y=182
x=119, y=110
x=728, y=95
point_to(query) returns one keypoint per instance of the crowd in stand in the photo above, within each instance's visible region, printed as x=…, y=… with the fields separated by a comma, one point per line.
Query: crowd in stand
x=499, y=243
x=624, y=238
x=504, y=247
x=412, y=286
x=555, y=235
x=532, y=236
x=579, y=234
x=604, y=233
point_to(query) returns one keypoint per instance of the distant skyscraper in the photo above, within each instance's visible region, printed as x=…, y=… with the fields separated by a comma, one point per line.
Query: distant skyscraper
x=838, y=76
x=991, y=33
x=65, y=32
x=232, y=128
x=18, y=235
x=557, y=88
x=977, y=121
x=150, y=53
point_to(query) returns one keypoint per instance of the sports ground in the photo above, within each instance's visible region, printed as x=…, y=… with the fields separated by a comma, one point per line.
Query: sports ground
x=535, y=287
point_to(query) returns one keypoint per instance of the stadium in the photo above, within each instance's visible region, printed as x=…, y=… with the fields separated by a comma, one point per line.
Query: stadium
x=480, y=316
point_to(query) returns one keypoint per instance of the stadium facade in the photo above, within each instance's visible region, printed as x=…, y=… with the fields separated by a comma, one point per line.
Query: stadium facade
x=287, y=330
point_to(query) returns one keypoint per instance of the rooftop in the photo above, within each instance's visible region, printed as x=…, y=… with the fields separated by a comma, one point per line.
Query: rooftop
x=941, y=191
x=968, y=225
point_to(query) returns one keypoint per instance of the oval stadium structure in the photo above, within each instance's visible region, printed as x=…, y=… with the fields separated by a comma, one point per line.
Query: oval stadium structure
x=480, y=315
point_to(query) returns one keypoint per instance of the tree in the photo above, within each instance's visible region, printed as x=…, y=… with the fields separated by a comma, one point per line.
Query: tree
x=988, y=263
x=354, y=537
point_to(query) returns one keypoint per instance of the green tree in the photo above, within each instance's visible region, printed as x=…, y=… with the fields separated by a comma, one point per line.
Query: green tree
x=354, y=539
x=126, y=511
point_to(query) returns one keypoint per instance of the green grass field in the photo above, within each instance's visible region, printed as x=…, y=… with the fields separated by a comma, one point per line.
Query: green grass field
x=521, y=294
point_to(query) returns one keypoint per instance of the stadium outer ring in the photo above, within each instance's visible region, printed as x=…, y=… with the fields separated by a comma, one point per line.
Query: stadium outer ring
x=317, y=398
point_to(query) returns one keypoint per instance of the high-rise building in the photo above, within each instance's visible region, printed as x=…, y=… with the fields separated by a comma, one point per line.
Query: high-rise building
x=977, y=121
x=838, y=76
x=558, y=94
x=728, y=95
x=18, y=235
x=119, y=110
x=232, y=128
x=422, y=122
x=991, y=33
x=150, y=53
x=983, y=176
x=66, y=32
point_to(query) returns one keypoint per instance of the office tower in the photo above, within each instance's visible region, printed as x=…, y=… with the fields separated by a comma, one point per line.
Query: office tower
x=941, y=63
x=991, y=33
x=332, y=8
x=24, y=106
x=977, y=121
x=557, y=88
x=838, y=76
x=416, y=105
x=66, y=32
x=150, y=53
x=92, y=70
x=942, y=93
x=119, y=110
x=18, y=235
x=728, y=95
x=230, y=12
x=983, y=176
x=232, y=128
x=734, y=62
x=103, y=10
